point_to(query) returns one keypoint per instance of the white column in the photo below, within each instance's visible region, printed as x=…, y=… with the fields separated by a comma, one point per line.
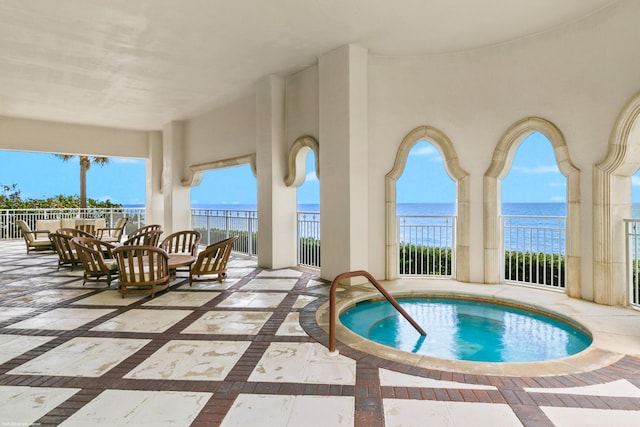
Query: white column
x=343, y=161
x=276, y=201
x=154, y=200
x=176, y=197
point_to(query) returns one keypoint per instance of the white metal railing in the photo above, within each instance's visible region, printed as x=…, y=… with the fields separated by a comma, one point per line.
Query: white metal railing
x=427, y=245
x=633, y=254
x=219, y=224
x=534, y=250
x=8, y=217
x=309, y=239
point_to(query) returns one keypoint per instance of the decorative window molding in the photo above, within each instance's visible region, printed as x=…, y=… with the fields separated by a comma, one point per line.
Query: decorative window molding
x=456, y=172
x=612, y=203
x=297, y=160
x=196, y=171
x=500, y=166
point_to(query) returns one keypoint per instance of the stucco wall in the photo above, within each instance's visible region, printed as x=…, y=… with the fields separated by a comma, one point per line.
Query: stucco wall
x=578, y=78
x=222, y=133
x=301, y=104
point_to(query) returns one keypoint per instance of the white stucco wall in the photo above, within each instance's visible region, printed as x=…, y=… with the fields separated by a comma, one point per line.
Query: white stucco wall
x=301, y=104
x=578, y=78
x=222, y=133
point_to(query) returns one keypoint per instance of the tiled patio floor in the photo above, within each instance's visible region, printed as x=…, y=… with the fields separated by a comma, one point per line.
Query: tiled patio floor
x=244, y=353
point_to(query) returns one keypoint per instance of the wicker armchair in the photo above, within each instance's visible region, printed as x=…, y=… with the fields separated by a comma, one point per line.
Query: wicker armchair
x=35, y=240
x=67, y=255
x=112, y=235
x=182, y=242
x=212, y=262
x=97, y=260
x=148, y=238
x=142, y=269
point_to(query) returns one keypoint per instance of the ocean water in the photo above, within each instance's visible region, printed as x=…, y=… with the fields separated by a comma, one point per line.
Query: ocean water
x=431, y=209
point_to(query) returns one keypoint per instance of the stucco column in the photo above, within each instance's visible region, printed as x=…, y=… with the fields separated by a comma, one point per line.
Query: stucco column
x=343, y=161
x=176, y=197
x=276, y=201
x=154, y=200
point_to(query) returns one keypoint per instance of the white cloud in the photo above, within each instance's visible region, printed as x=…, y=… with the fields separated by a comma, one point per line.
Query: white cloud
x=557, y=184
x=427, y=150
x=635, y=181
x=537, y=169
x=557, y=199
x=311, y=176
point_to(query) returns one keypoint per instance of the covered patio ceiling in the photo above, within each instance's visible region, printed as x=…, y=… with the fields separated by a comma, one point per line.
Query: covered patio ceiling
x=141, y=64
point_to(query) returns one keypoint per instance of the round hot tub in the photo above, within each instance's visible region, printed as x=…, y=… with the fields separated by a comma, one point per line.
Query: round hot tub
x=469, y=329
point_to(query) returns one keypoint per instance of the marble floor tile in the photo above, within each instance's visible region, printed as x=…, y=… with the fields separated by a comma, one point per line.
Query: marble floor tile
x=270, y=285
x=253, y=300
x=15, y=345
x=7, y=313
x=140, y=408
x=238, y=273
x=286, y=272
x=191, y=360
x=23, y=406
x=229, y=323
x=308, y=363
x=81, y=357
x=235, y=263
x=208, y=286
x=291, y=326
x=410, y=413
x=181, y=299
x=586, y=417
x=50, y=296
x=398, y=379
x=251, y=410
x=619, y=388
x=313, y=283
x=303, y=300
x=63, y=319
x=141, y=320
x=109, y=297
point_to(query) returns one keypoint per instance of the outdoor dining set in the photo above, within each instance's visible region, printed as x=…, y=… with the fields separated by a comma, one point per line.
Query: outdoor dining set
x=141, y=263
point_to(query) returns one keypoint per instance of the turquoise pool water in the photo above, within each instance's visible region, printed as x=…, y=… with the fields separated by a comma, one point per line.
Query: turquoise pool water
x=462, y=329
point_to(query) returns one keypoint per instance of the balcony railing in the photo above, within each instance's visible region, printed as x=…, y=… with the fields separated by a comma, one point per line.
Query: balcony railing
x=633, y=255
x=309, y=239
x=8, y=217
x=427, y=245
x=534, y=250
x=219, y=224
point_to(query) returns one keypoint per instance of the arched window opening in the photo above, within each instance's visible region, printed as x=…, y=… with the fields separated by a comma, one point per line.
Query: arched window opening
x=224, y=204
x=425, y=212
x=308, y=201
x=534, y=206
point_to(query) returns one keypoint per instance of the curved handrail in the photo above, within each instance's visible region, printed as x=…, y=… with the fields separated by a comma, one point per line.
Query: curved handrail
x=332, y=304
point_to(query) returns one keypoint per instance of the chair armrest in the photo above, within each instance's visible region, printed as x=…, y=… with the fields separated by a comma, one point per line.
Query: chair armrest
x=100, y=231
x=36, y=232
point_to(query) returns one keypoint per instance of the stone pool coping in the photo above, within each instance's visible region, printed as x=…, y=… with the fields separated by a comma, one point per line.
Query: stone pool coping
x=614, y=330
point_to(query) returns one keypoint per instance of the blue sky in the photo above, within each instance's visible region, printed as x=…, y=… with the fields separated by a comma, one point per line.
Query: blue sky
x=534, y=177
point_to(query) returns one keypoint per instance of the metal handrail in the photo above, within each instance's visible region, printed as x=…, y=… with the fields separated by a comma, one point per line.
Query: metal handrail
x=332, y=304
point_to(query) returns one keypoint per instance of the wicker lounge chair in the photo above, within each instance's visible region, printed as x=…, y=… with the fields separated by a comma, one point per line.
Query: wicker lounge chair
x=97, y=260
x=212, y=262
x=142, y=269
x=36, y=240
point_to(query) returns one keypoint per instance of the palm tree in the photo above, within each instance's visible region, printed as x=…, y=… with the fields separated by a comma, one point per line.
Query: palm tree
x=85, y=164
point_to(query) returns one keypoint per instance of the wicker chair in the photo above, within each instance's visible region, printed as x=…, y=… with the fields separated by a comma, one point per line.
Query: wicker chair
x=212, y=261
x=145, y=229
x=182, y=242
x=148, y=238
x=36, y=240
x=142, y=269
x=97, y=259
x=112, y=235
x=67, y=255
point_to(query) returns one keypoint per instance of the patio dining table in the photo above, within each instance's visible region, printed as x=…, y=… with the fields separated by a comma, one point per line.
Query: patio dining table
x=179, y=260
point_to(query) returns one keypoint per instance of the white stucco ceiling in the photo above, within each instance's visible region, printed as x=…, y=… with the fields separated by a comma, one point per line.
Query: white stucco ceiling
x=142, y=63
